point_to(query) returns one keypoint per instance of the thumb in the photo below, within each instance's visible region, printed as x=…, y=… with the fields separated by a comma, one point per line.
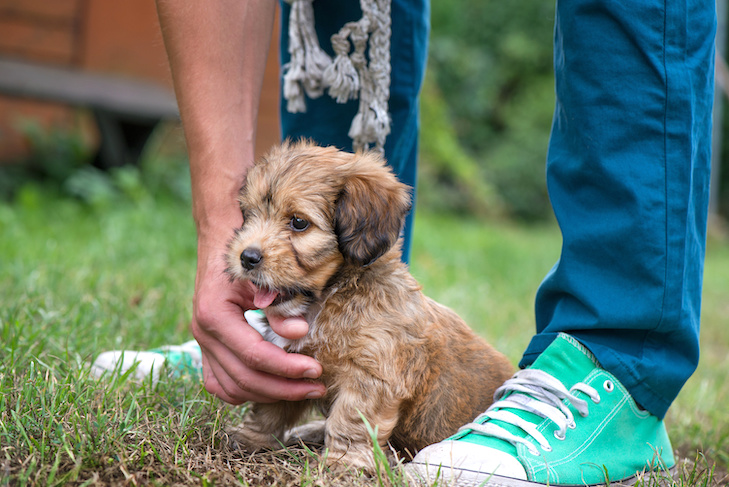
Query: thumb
x=292, y=327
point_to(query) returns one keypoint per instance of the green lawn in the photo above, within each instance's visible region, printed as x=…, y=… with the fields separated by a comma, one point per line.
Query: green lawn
x=77, y=280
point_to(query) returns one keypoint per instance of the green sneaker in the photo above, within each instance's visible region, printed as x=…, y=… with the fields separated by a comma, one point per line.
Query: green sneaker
x=563, y=421
x=176, y=360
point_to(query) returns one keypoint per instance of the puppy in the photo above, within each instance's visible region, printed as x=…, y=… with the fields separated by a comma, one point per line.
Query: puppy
x=320, y=239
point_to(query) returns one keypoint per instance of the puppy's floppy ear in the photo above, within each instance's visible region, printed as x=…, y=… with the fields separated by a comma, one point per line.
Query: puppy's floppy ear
x=370, y=211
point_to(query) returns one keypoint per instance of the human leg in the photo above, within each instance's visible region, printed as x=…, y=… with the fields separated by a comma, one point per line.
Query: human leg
x=628, y=173
x=628, y=176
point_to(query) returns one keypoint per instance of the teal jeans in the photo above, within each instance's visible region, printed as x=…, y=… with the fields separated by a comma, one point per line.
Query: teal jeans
x=327, y=122
x=628, y=177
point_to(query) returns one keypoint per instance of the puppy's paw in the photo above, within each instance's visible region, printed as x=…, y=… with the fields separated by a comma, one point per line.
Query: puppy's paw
x=352, y=460
x=248, y=439
x=310, y=434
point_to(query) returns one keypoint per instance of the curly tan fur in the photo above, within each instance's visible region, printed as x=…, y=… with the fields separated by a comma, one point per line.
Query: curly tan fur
x=320, y=239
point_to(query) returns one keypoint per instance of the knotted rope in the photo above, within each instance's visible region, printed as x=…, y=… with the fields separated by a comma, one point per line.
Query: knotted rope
x=361, y=68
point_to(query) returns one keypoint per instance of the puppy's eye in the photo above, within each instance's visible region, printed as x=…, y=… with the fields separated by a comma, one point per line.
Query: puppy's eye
x=298, y=224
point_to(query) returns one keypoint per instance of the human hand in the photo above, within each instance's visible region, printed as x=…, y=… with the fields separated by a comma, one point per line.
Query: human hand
x=238, y=365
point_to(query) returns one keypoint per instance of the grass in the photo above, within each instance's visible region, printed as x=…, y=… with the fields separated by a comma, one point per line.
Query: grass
x=76, y=280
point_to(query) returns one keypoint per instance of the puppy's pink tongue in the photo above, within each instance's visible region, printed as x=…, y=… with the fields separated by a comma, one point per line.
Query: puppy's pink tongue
x=263, y=298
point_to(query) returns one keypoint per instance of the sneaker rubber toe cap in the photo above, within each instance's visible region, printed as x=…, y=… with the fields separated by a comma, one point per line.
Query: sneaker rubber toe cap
x=146, y=363
x=464, y=460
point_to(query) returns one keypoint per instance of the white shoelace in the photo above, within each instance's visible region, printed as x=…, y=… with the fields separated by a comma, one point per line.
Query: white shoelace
x=536, y=392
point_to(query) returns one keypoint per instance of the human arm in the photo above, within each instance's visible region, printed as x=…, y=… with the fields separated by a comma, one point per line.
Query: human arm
x=217, y=52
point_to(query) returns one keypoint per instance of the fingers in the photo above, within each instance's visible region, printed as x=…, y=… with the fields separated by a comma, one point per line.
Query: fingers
x=210, y=372
x=246, y=384
x=241, y=367
x=292, y=328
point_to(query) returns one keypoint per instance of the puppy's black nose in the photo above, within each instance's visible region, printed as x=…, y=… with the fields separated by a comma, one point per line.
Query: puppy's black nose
x=250, y=258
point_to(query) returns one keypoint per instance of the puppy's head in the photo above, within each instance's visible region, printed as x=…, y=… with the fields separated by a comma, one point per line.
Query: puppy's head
x=307, y=212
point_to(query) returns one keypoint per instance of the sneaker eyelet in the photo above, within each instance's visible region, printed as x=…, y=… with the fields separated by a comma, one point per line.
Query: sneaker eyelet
x=608, y=386
x=560, y=435
x=547, y=448
x=572, y=425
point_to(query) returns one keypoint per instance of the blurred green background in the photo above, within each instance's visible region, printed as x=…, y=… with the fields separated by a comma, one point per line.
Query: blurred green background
x=486, y=113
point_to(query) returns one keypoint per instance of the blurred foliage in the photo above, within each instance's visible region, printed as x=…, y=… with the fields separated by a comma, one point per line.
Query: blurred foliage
x=486, y=113
x=722, y=178
x=450, y=179
x=487, y=107
x=55, y=156
x=60, y=164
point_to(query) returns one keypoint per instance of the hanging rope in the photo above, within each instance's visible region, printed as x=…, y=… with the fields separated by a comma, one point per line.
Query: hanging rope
x=361, y=68
x=303, y=73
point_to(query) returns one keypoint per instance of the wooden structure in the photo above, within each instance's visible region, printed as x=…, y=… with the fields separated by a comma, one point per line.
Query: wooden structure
x=106, y=58
x=126, y=111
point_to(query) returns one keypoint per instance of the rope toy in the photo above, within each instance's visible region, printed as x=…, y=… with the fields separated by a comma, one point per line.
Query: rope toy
x=361, y=68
